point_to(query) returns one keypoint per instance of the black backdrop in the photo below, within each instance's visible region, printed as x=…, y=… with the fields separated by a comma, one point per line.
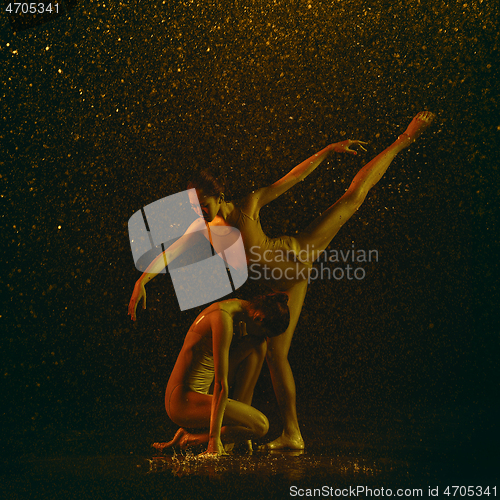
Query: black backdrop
x=112, y=107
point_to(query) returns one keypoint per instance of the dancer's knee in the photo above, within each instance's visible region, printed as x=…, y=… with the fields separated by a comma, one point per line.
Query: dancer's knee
x=260, y=351
x=276, y=357
x=260, y=425
x=277, y=349
x=355, y=198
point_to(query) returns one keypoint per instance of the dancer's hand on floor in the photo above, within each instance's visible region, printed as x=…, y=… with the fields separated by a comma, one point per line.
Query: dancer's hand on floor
x=215, y=448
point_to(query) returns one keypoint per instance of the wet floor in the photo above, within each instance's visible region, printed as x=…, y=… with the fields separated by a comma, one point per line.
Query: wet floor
x=356, y=457
x=236, y=476
x=118, y=104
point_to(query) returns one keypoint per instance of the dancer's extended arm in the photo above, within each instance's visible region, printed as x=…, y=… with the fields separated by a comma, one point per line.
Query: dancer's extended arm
x=222, y=334
x=187, y=240
x=265, y=195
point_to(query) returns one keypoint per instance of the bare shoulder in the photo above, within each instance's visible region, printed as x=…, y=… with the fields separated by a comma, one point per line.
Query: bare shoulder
x=220, y=313
x=230, y=307
x=250, y=204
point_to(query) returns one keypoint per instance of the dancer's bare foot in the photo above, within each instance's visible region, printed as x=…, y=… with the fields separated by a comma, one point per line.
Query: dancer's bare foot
x=284, y=443
x=416, y=127
x=180, y=439
x=248, y=445
x=229, y=447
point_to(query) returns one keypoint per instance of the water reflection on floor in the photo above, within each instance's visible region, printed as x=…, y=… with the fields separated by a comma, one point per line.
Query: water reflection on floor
x=117, y=462
x=238, y=476
x=291, y=465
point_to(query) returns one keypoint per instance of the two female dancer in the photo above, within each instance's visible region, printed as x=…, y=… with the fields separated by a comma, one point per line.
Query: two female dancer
x=208, y=356
x=288, y=258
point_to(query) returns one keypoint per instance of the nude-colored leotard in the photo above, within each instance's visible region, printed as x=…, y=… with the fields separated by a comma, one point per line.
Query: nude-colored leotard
x=194, y=368
x=201, y=372
x=278, y=255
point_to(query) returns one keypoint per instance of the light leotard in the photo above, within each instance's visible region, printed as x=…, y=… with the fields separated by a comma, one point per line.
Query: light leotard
x=275, y=259
x=201, y=372
x=194, y=368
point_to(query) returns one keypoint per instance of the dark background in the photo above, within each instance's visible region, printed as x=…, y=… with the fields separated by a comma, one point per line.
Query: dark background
x=114, y=106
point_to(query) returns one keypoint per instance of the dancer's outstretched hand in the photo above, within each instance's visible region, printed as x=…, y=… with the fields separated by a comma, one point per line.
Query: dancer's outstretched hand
x=344, y=146
x=138, y=294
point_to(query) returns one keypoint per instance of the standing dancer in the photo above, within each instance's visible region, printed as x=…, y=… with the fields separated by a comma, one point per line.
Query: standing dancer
x=291, y=257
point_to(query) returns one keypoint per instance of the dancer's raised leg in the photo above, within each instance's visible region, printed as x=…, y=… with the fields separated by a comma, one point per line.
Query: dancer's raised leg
x=320, y=233
x=282, y=377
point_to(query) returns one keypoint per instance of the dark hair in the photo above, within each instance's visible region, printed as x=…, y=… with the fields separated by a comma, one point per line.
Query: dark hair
x=275, y=309
x=211, y=182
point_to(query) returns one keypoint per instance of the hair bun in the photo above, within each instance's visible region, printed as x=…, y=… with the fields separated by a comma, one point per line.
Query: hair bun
x=276, y=313
x=210, y=181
